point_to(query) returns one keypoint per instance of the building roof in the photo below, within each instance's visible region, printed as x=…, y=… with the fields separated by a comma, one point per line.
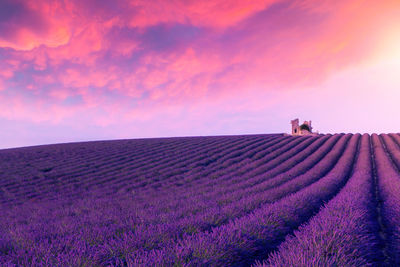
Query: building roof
x=305, y=127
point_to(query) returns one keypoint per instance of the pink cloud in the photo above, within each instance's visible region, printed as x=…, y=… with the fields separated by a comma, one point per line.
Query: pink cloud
x=2, y=86
x=215, y=14
x=29, y=24
x=109, y=59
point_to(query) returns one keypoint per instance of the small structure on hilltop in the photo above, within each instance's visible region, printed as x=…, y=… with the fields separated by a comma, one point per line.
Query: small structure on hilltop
x=304, y=129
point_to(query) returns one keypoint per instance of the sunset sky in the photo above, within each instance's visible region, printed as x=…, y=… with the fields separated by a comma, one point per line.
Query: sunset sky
x=99, y=69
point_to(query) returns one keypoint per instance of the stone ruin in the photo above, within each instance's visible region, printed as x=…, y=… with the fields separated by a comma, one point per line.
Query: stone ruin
x=303, y=129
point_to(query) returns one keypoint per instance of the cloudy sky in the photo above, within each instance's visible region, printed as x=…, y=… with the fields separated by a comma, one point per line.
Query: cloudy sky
x=76, y=70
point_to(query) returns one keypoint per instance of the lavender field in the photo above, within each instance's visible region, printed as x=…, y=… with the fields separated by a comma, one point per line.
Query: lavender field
x=250, y=200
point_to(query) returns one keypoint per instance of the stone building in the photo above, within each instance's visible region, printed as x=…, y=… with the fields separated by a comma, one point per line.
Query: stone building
x=304, y=129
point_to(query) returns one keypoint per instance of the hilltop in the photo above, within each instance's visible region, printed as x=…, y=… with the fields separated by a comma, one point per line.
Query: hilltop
x=270, y=200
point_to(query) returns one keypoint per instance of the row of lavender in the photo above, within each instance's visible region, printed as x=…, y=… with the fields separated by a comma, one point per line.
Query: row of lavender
x=141, y=219
x=59, y=168
x=361, y=225
x=225, y=202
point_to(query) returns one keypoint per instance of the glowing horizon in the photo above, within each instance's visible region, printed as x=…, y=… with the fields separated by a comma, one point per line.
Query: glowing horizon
x=73, y=70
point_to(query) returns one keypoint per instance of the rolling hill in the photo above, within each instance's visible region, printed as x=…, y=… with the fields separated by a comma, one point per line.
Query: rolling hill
x=250, y=200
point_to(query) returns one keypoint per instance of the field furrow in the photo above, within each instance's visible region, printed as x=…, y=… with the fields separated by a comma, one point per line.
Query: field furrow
x=344, y=232
x=249, y=200
x=389, y=185
x=245, y=238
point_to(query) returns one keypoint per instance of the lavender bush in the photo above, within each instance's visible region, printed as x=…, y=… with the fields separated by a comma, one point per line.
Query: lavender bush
x=343, y=233
x=203, y=201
